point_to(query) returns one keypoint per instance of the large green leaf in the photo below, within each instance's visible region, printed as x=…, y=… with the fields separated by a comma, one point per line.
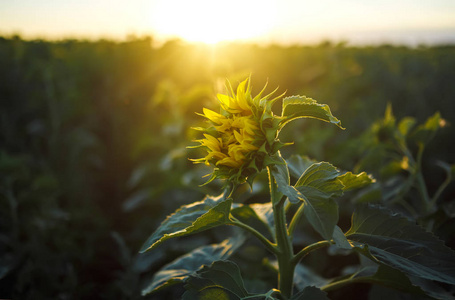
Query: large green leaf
x=322, y=178
x=221, y=280
x=192, y=218
x=399, y=243
x=295, y=107
x=298, y=164
x=178, y=270
x=319, y=186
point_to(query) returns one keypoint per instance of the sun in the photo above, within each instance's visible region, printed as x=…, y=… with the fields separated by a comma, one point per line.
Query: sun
x=212, y=21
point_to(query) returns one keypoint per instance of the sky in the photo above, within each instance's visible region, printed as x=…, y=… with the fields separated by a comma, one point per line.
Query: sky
x=211, y=21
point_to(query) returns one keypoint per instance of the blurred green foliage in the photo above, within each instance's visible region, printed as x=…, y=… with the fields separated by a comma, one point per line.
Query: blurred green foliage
x=93, y=137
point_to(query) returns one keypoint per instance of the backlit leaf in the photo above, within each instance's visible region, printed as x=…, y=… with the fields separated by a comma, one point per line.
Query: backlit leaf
x=296, y=107
x=191, y=218
x=355, y=181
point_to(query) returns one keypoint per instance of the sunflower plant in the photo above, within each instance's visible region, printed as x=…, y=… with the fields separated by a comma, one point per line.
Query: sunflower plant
x=240, y=141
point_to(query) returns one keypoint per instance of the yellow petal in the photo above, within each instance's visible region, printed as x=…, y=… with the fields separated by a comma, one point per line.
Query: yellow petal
x=212, y=143
x=229, y=162
x=213, y=116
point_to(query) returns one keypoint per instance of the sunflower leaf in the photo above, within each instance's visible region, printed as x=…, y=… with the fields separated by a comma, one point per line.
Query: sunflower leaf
x=178, y=270
x=296, y=107
x=397, y=242
x=191, y=218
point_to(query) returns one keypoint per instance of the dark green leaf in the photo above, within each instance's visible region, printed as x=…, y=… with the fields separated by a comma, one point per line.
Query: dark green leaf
x=295, y=107
x=178, y=270
x=310, y=293
x=399, y=243
x=432, y=289
x=221, y=280
x=395, y=279
x=322, y=213
x=191, y=218
x=386, y=276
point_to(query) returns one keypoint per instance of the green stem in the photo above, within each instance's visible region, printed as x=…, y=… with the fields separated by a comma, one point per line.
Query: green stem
x=421, y=186
x=341, y=283
x=441, y=188
x=271, y=247
x=295, y=220
x=302, y=253
x=285, y=254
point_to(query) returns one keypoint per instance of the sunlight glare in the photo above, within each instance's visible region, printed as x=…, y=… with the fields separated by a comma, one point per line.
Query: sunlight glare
x=210, y=21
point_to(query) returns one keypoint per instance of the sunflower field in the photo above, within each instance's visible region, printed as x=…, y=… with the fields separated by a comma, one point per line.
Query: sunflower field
x=138, y=170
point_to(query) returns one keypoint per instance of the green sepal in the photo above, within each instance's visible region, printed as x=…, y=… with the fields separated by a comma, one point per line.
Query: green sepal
x=274, y=160
x=278, y=145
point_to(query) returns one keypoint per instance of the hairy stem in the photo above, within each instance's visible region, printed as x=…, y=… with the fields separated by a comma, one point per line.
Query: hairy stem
x=285, y=254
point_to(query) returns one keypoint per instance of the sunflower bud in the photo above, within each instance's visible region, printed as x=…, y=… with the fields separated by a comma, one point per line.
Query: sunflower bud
x=242, y=138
